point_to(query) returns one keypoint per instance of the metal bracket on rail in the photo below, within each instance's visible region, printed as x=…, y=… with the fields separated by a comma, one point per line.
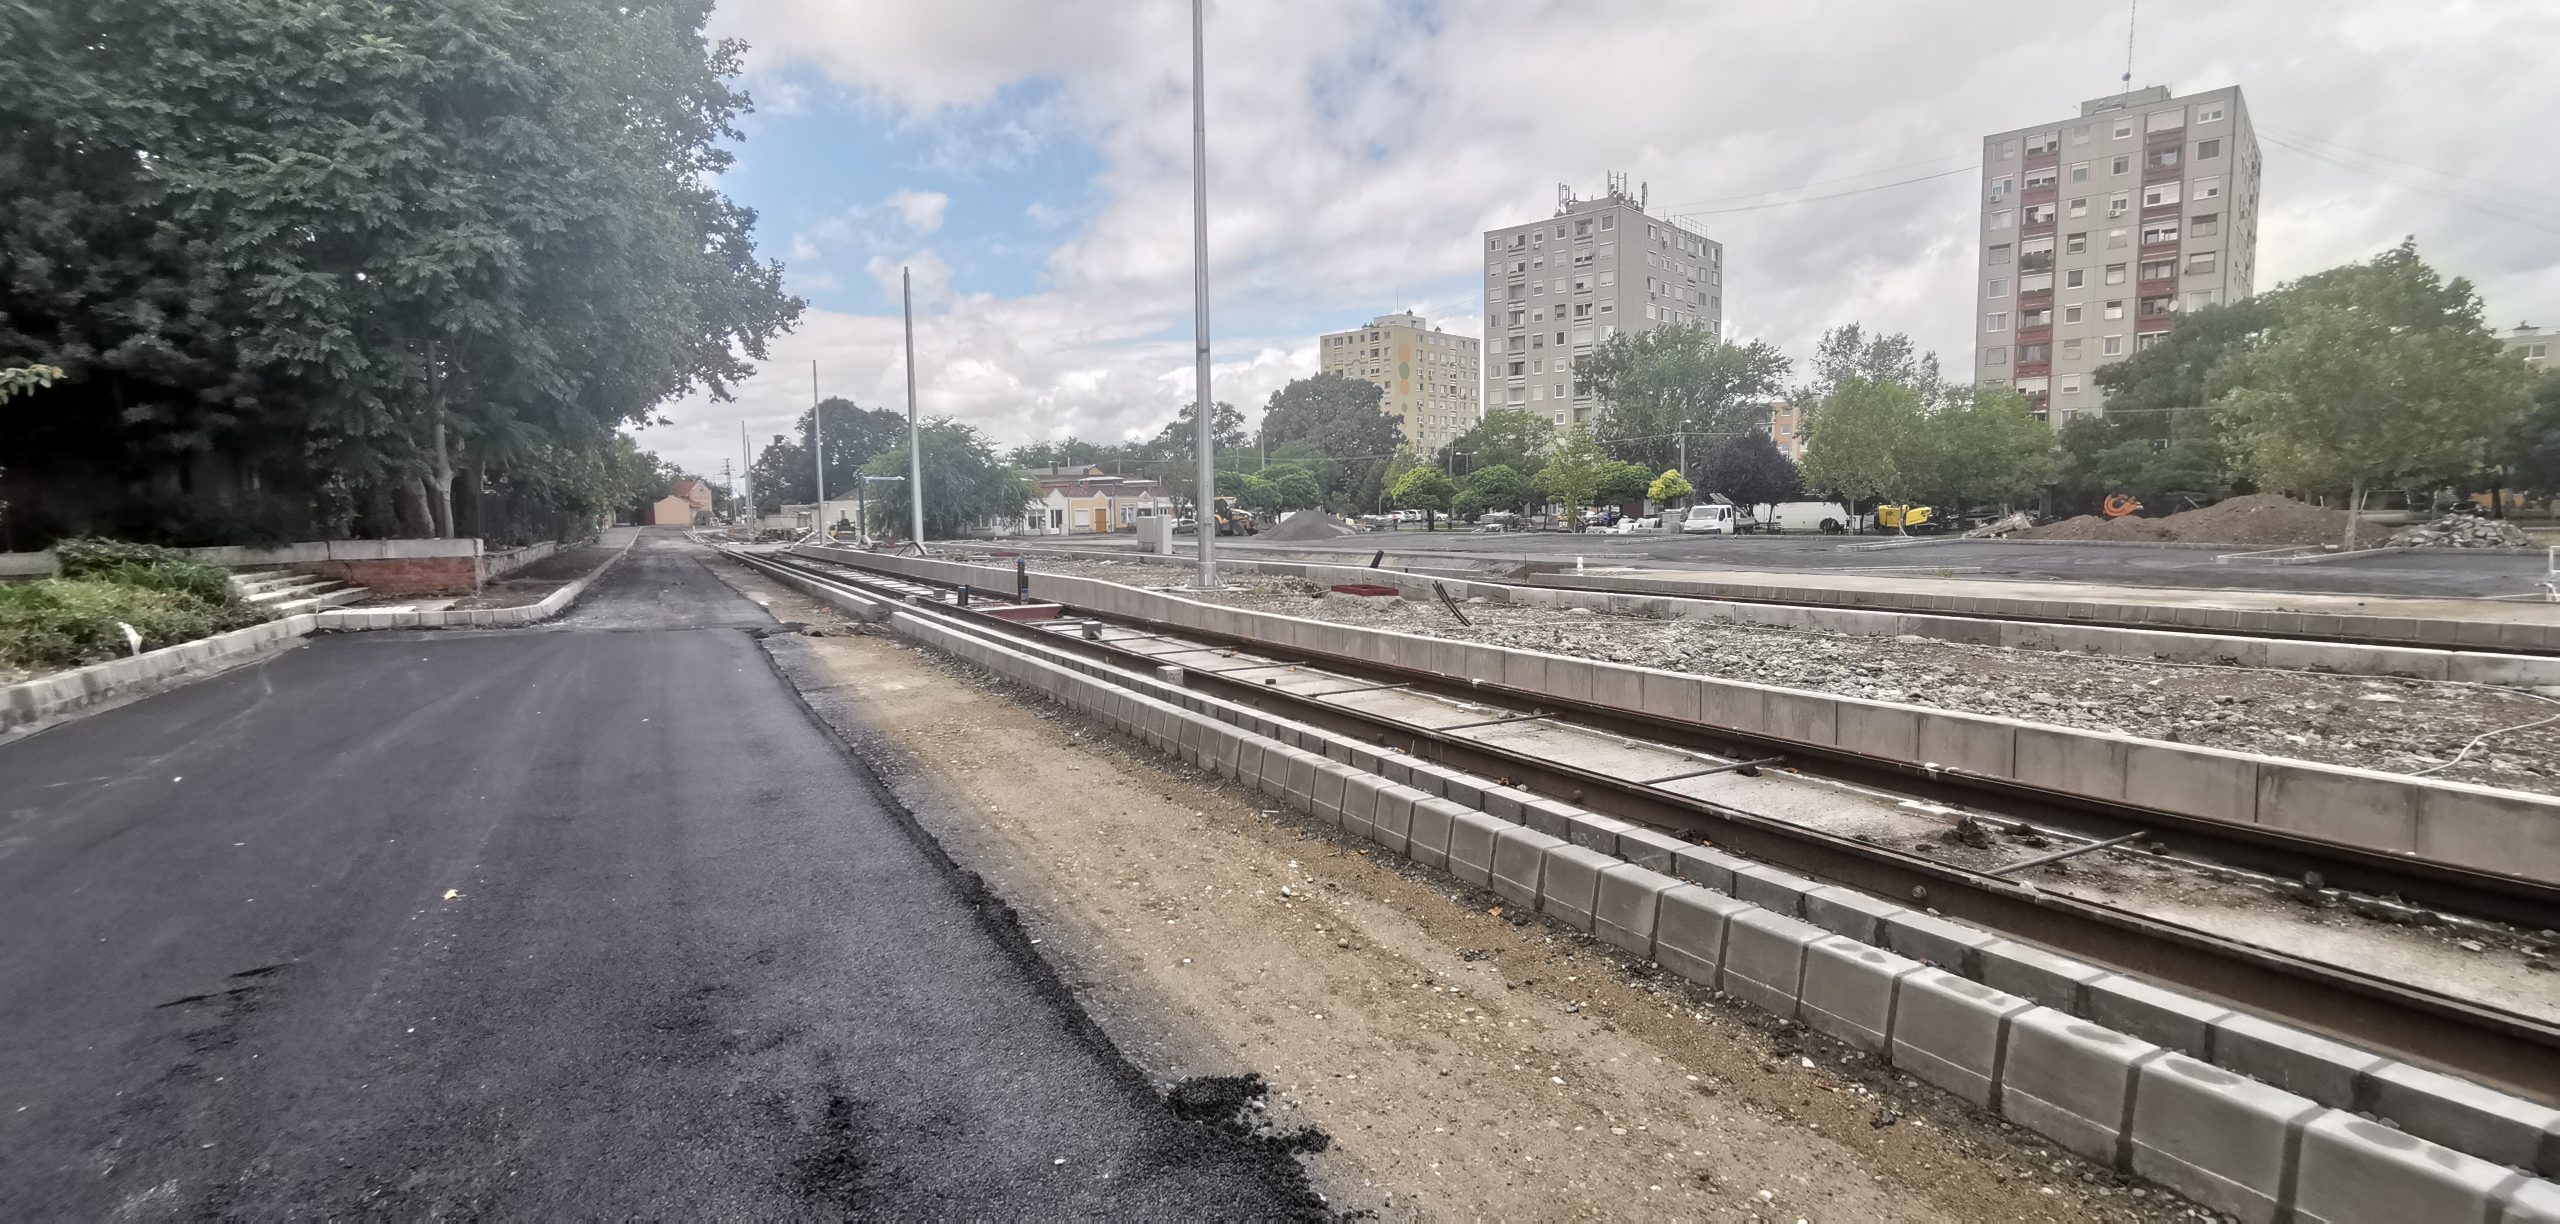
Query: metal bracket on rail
x=2059, y=855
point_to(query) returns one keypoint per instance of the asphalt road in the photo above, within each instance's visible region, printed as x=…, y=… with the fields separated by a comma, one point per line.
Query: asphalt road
x=586, y=921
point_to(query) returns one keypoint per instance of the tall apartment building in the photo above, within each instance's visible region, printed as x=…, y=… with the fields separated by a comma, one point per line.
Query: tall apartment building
x=2097, y=232
x=1427, y=377
x=1555, y=288
x=2533, y=344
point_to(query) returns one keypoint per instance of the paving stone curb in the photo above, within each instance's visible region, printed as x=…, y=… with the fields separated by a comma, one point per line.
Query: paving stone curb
x=2247, y=1147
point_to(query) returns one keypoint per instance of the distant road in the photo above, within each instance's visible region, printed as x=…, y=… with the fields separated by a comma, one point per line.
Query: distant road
x=587, y=921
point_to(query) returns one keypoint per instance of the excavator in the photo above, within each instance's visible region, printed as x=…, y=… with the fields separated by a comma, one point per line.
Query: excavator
x=1915, y=520
x=1233, y=520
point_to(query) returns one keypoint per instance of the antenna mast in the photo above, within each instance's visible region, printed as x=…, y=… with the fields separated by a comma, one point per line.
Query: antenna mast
x=2132, y=13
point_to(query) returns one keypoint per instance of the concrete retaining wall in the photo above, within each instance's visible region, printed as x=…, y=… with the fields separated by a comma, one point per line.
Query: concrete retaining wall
x=2173, y=645
x=68, y=691
x=2476, y=827
x=1906, y=986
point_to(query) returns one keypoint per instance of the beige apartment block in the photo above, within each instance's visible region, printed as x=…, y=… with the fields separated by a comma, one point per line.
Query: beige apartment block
x=2533, y=344
x=2099, y=231
x=1556, y=288
x=1427, y=377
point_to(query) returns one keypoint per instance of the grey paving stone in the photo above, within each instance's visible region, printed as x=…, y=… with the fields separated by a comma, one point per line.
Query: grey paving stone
x=1846, y=911
x=1949, y=1031
x=1427, y=841
x=1651, y=849
x=2070, y=1081
x=2460, y=1114
x=1597, y=832
x=1689, y=931
x=1848, y=990
x=1629, y=906
x=1519, y=860
x=1937, y=941
x=1391, y=822
x=2057, y=981
x=1471, y=837
x=1709, y=866
x=1771, y=889
x=2358, y=1172
x=2224, y=1140
x=1764, y=959
x=1569, y=891
x=2530, y=1200
x=2163, y=1017
x=1553, y=817
x=2298, y=1062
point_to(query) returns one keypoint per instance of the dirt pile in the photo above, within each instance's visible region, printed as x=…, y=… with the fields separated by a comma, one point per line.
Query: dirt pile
x=1307, y=525
x=2263, y=520
x=2461, y=531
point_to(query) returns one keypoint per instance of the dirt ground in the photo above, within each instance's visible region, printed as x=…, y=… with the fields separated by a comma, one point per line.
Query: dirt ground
x=1464, y=1060
x=2398, y=726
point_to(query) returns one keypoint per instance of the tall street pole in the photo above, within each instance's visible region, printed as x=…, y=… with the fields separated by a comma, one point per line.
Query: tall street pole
x=1204, y=503
x=817, y=453
x=915, y=435
x=747, y=479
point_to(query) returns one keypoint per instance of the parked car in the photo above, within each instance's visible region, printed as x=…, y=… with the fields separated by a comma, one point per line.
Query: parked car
x=1185, y=525
x=1711, y=519
x=1637, y=526
x=1828, y=517
x=1498, y=520
x=1604, y=518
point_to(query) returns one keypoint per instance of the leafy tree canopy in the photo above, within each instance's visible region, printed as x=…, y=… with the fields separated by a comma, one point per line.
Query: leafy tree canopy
x=1984, y=444
x=1515, y=438
x=1851, y=352
x=965, y=482
x=1574, y=475
x=1499, y=487
x=1669, y=487
x=2537, y=449
x=851, y=436
x=1422, y=488
x=1859, y=446
x=1752, y=471
x=1656, y=384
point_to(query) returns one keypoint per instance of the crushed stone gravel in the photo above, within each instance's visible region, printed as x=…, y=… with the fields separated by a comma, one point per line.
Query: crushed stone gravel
x=2392, y=725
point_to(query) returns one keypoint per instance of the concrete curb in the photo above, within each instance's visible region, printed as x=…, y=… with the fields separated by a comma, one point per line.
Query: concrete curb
x=170, y=667
x=2229, y=1142
x=2479, y=827
x=2172, y=645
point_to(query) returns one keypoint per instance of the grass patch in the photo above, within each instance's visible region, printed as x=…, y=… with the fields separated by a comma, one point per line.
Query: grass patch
x=78, y=618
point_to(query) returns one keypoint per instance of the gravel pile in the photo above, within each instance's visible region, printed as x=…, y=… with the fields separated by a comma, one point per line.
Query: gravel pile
x=2398, y=726
x=2461, y=531
x=2261, y=519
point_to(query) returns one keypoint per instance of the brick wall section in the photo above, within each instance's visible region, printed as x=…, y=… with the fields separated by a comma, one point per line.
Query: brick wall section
x=405, y=576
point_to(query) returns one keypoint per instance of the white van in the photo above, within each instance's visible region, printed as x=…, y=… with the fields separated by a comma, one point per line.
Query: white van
x=1828, y=517
x=1711, y=520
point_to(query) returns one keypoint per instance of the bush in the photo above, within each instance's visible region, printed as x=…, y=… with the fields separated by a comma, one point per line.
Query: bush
x=143, y=565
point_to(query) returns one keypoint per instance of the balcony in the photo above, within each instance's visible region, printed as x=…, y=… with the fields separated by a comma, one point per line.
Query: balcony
x=2033, y=369
x=2036, y=261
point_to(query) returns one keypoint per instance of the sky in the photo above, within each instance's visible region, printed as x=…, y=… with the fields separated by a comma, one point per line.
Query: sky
x=1029, y=162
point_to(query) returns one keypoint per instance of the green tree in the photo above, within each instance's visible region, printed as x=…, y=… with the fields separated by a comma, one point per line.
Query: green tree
x=1657, y=384
x=25, y=380
x=2535, y=466
x=1984, y=445
x=1499, y=487
x=1292, y=487
x=1180, y=437
x=1515, y=438
x=1669, y=487
x=2375, y=373
x=965, y=482
x=2146, y=391
x=1622, y=484
x=1861, y=441
x=1574, y=474
x=359, y=264
x=1752, y=471
x=851, y=434
x=1851, y=352
x=1422, y=488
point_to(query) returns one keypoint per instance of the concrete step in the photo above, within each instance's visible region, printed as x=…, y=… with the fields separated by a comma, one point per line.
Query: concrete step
x=337, y=595
x=253, y=582
x=303, y=587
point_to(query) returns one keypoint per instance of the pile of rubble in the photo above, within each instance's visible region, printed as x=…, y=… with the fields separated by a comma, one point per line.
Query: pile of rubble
x=2461, y=531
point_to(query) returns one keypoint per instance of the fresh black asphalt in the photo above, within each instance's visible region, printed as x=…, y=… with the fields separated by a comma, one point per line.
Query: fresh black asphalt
x=584, y=921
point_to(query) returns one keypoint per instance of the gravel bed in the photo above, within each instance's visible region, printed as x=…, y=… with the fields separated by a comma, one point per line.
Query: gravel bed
x=2397, y=726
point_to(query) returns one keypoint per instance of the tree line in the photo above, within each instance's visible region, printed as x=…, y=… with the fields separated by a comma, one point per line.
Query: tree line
x=402, y=268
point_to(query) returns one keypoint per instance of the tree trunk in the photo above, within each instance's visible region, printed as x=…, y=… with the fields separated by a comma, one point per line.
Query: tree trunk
x=414, y=515
x=2355, y=510
x=439, y=452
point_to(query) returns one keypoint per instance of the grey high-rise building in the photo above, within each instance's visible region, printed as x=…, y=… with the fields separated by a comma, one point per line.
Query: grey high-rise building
x=1554, y=289
x=1426, y=377
x=2099, y=231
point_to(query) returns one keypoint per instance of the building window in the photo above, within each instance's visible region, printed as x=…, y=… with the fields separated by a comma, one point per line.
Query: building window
x=2070, y=384
x=2198, y=299
x=2163, y=159
x=2000, y=185
x=2000, y=254
x=2121, y=165
x=2008, y=149
x=2206, y=188
x=2124, y=128
x=2159, y=269
x=2000, y=218
x=2168, y=120
x=2036, y=282
x=2075, y=278
x=2204, y=225
x=2159, y=306
x=2080, y=207
x=2035, y=352
x=2118, y=203
x=2076, y=243
x=2160, y=231
x=2209, y=114
x=1609, y=221
x=2111, y=346
x=2079, y=172
x=2071, y=349
x=2113, y=310
x=2041, y=316
x=2071, y=313
x=2115, y=274
x=2160, y=193
x=2207, y=150
x=1995, y=355
x=1996, y=321
x=2116, y=238
x=1996, y=287
x=2202, y=262
x=2039, y=214
x=2037, y=179
x=2043, y=142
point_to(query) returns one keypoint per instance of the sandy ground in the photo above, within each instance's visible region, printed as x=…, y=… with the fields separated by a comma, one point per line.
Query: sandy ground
x=1466, y=1062
x=2399, y=726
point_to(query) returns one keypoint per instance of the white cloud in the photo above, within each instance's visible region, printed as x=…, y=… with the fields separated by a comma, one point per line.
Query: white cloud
x=1357, y=154
x=921, y=210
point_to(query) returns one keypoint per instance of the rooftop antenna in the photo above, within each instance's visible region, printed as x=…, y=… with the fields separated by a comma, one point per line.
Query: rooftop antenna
x=2132, y=12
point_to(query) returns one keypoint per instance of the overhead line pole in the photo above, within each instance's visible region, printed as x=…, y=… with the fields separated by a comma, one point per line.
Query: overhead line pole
x=817, y=454
x=1204, y=502
x=915, y=434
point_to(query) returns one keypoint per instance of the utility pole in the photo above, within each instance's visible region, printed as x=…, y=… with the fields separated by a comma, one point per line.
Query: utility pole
x=817, y=454
x=747, y=479
x=1204, y=512
x=915, y=435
